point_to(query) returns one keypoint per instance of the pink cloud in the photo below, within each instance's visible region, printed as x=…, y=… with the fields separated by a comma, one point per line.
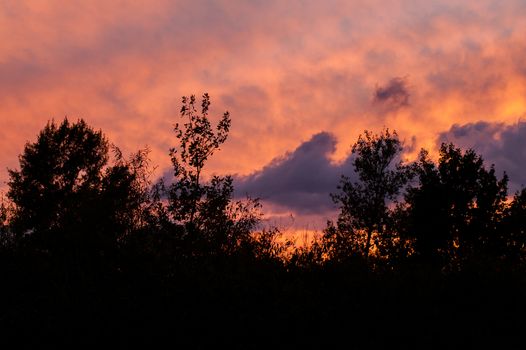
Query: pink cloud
x=286, y=70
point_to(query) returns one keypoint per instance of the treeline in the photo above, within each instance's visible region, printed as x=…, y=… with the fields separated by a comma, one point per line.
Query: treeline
x=449, y=216
x=91, y=249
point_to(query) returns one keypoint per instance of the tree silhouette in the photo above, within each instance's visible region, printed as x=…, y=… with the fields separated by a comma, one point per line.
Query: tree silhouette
x=4, y=220
x=197, y=142
x=66, y=191
x=426, y=219
x=212, y=220
x=513, y=227
x=455, y=209
x=365, y=213
x=57, y=172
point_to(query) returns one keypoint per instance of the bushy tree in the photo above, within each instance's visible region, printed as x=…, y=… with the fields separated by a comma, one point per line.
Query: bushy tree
x=455, y=208
x=366, y=205
x=67, y=192
x=513, y=226
x=62, y=169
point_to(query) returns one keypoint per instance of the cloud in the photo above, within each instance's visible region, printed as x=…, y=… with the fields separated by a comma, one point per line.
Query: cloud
x=394, y=94
x=301, y=180
x=503, y=145
x=284, y=69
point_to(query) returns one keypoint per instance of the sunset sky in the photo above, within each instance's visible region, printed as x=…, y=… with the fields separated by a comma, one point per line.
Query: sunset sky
x=301, y=79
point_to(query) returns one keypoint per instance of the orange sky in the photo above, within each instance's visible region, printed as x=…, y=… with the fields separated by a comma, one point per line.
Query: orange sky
x=286, y=70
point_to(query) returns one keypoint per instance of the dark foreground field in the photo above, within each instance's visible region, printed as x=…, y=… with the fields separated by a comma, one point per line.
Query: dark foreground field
x=204, y=305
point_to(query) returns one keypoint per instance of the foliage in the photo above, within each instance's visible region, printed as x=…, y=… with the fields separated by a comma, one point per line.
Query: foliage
x=269, y=245
x=67, y=194
x=6, y=209
x=364, y=221
x=512, y=230
x=455, y=209
x=197, y=142
x=214, y=223
x=58, y=172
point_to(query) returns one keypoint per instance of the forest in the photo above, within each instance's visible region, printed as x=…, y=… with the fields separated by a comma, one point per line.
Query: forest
x=93, y=250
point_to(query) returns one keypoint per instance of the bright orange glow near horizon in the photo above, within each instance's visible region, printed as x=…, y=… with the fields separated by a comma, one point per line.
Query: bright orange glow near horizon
x=286, y=70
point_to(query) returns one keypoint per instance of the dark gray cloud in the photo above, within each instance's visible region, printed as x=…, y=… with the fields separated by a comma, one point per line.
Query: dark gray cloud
x=394, y=94
x=302, y=180
x=498, y=143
